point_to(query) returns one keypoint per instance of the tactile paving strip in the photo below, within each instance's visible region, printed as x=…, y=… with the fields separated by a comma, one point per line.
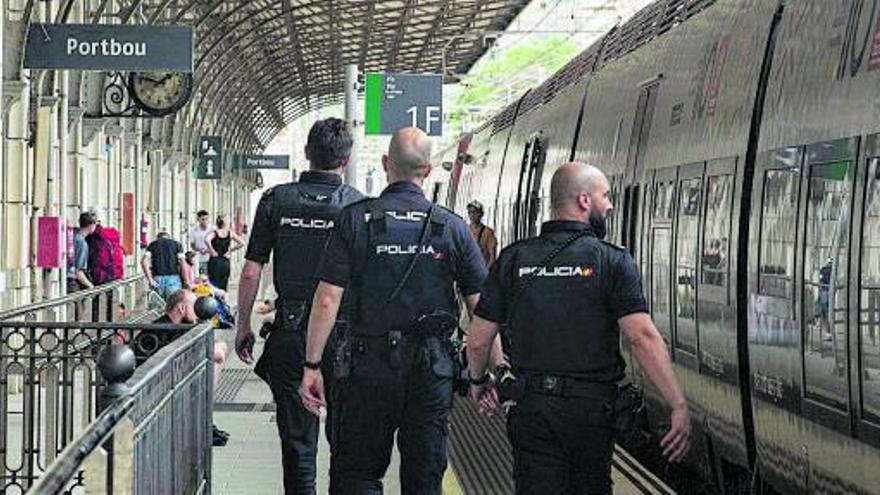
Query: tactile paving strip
x=479, y=451
x=231, y=382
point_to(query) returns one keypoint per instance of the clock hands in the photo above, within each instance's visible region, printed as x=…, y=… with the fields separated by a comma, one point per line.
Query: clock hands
x=154, y=81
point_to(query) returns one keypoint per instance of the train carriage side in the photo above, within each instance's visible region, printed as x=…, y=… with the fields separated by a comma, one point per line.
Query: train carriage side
x=438, y=184
x=671, y=123
x=814, y=272
x=541, y=140
x=476, y=182
x=497, y=172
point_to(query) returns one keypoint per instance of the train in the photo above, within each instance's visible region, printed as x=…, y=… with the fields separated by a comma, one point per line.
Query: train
x=742, y=143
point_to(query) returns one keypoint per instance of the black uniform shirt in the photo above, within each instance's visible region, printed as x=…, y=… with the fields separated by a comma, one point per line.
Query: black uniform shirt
x=565, y=321
x=453, y=257
x=264, y=231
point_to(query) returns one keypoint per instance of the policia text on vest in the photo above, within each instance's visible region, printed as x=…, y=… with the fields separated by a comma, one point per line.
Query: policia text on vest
x=291, y=226
x=292, y=223
x=564, y=296
x=403, y=260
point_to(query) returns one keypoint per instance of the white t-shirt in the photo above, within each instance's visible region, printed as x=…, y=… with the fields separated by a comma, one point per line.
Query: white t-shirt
x=197, y=236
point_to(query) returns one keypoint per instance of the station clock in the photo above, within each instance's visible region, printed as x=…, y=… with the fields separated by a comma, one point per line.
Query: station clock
x=160, y=93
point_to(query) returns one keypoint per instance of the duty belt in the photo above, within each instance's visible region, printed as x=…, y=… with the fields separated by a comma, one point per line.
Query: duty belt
x=394, y=342
x=567, y=386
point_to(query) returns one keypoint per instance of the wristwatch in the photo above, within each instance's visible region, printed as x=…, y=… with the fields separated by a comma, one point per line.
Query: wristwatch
x=312, y=365
x=482, y=380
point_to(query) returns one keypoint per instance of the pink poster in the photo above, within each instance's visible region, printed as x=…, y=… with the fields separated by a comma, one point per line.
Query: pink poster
x=50, y=243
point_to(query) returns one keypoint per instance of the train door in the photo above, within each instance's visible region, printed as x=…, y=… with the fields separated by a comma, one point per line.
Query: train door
x=825, y=326
x=865, y=289
x=528, y=196
x=685, y=267
x=658, y=274
x=632, y=194
x=517, y=205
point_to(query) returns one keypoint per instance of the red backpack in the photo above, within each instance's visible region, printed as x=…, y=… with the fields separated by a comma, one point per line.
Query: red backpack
x=106, y=257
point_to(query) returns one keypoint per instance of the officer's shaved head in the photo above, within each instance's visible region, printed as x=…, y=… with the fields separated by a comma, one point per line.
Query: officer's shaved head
x=409, y=154
x=572, y=184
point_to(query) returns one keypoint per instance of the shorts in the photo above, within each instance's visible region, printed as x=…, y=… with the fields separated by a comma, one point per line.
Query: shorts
x=167, y=285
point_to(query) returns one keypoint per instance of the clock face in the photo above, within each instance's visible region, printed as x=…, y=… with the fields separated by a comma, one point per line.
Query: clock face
x=160, y=93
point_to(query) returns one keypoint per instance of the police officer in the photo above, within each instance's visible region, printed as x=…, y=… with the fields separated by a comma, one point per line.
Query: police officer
x=292, y=224
x=403, y=258
x=564, y=296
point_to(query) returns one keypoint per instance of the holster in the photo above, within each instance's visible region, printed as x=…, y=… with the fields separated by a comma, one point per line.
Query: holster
x=288, y=318
x=625, y=409
x=342, y=350
x=461, y=380
x=441, y=331
x=263, y=365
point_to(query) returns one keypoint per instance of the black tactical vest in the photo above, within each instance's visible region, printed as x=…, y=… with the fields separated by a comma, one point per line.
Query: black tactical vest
x=562, y=323
x=304, y=213
x=393, y=238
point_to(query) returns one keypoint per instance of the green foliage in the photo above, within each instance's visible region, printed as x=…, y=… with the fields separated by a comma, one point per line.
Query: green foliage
x=488, y=87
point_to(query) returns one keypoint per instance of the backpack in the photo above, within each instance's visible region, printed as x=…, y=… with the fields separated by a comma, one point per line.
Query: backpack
x=106, y=257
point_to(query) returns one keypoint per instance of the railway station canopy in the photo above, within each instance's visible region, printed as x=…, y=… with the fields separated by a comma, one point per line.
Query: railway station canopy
x=260, y=64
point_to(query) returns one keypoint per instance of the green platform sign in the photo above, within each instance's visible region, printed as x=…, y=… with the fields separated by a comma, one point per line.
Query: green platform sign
x=394, y=101
x=210, y=164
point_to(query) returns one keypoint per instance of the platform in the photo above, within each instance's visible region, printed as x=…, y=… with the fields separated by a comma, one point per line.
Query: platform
x=251, y=462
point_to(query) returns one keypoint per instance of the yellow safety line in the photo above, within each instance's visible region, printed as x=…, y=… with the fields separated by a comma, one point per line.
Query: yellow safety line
x=450, y=483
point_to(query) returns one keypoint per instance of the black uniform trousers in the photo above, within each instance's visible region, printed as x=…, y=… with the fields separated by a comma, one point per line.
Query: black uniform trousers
x=407, y=391
x=297, y=428
x=561, y=445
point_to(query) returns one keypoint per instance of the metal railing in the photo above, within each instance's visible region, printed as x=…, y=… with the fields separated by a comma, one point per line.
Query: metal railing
x=154, y=433
x=113, y=301
x=48, y=377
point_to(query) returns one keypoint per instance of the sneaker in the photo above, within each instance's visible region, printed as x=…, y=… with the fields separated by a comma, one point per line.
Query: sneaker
x=219, y=437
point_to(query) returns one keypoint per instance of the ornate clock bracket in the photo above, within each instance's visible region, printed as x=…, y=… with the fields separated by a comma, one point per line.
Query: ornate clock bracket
x=117, y=100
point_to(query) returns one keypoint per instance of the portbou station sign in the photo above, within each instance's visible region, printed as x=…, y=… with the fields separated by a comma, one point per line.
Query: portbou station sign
x=105, y=47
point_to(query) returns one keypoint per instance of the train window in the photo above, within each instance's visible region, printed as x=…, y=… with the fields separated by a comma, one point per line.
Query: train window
x=826, y=245
x=663, y=204
x=615, y=198
x=687, y=243
x=869, y=297
x=714, y=264
x=661, y=259
x=778, y=232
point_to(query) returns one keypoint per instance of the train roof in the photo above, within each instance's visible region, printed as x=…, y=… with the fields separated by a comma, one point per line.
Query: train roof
x=646, y=25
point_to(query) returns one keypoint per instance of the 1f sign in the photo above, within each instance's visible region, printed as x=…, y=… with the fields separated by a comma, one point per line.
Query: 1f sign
x=394, y=101
x=432, y=117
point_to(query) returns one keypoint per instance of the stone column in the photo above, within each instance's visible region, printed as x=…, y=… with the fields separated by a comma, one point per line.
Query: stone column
x=16, y=214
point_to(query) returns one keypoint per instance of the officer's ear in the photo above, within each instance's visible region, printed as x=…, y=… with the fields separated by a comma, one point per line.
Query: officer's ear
x=428, y=169
x=385, y=163
x=306, y=152
x=343, y=162
x=584, y=201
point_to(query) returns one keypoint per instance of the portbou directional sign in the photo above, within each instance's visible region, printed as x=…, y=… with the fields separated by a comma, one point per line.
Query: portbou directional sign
x=394, y=101
x=106, y=47
x=210, y=164
x=253, y=162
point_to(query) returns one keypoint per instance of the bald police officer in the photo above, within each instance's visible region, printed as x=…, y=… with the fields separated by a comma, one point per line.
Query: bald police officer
x=565, y=295
x=403, y=258
x=292, y=224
